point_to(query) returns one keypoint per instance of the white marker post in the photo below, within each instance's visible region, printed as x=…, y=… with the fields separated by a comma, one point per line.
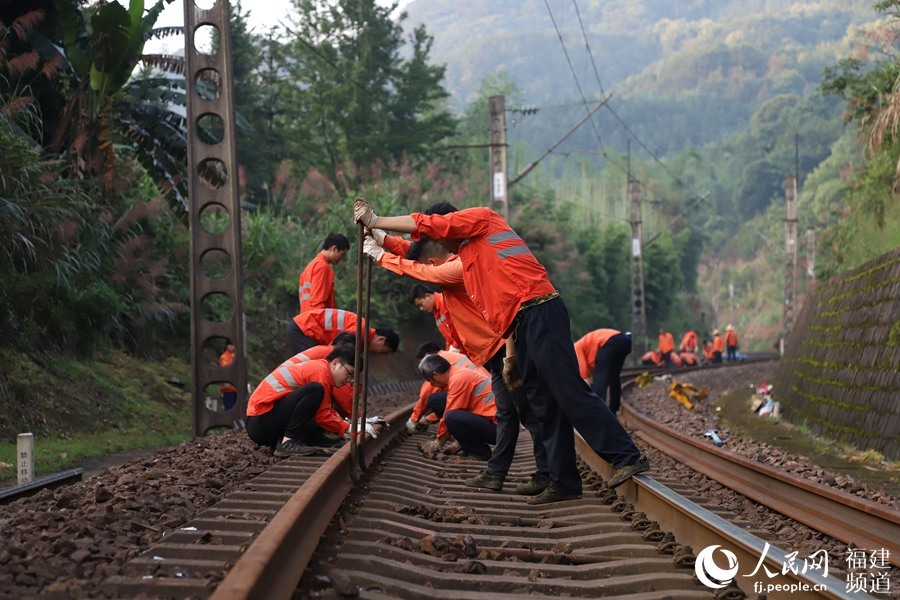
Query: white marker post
x=25, y=457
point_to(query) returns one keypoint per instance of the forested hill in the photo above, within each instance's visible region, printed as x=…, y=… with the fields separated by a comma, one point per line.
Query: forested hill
x=711, y=63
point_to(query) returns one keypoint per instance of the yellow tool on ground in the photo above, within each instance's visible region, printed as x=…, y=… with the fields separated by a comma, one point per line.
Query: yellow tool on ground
x=644, y=379
x=686, y=393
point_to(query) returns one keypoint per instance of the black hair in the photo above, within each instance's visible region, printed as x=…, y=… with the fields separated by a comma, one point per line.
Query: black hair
x=414, y=251
x=336, y=239
x=391, y=337
x=417, y=290
x=427, y=348
x=440, y=208
x=344, y=337
x=344, y=352
x=431, y=364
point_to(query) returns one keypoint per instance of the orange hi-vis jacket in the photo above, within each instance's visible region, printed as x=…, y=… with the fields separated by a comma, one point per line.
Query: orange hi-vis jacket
x=666, y=343
x=731, y=338
x=443, y=320
x=707, y=350
x=342, y=396
x=586, y=349
x=316, y=285
x=689, y=342
x=226, y=359
x=499, y=270
x=475, y=337
x=456, y=360
x=468, y=390
x=289, y=377
x=718, y=346
x=323, y=324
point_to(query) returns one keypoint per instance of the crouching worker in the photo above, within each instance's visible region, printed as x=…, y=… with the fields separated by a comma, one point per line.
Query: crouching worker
x=293, y=405
x=470, y=414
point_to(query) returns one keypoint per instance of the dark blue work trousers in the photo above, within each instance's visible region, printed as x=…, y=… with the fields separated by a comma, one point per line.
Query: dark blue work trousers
x=512, y=409
x=560, y=397
x=473, y=432
x=297, y=340
x=607, y=373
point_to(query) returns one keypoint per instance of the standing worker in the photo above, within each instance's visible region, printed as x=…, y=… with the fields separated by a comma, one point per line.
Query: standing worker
x=731, y=342
x=601, y=355
x=228, y=392
x=316, y=285
x=431, y=262
x=717, y=347
x=666, y=346
x=512, y=290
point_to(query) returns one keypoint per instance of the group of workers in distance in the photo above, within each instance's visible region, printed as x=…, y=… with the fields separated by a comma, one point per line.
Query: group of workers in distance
x=508, y=358
x=687, y=353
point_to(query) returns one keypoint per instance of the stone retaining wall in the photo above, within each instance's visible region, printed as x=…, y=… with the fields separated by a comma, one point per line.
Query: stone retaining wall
x=840, y=373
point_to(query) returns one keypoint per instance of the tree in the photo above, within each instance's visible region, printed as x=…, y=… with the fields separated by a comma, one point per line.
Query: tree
x=355, y=101
x=88, y=103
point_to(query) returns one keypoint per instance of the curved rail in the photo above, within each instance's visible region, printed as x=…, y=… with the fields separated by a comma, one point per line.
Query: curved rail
x=843, y=516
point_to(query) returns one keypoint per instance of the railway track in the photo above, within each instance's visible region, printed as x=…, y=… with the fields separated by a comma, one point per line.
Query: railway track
x=411, y=529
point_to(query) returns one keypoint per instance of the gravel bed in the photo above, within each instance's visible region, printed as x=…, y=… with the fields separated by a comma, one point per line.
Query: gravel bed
x=793, y=535
x=64, y=543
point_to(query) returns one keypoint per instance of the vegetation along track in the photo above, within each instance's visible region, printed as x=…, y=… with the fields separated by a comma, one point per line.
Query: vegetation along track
x=410, y=528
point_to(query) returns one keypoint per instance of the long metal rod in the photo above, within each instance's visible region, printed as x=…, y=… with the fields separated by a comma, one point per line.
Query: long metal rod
x=364, y=388
x=357, y=360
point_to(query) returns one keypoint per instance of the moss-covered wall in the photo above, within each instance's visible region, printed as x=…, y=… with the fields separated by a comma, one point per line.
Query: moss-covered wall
x=840, y=373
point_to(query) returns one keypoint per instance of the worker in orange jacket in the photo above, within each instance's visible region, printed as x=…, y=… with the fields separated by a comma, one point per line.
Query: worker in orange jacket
x=427, y=300
x=601, y=355
x=689, y=342
x=470, y=413
x=731, y=343
x=718, y=347
x=227, y=391
x=430, y=397
x=321, y=325
x=430, y=262
x=666, y=346
x=294, y=402
x=514, y=294
x=315, y=288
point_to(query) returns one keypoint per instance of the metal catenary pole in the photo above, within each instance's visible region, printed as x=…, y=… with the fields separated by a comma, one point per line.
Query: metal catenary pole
x=217, y=301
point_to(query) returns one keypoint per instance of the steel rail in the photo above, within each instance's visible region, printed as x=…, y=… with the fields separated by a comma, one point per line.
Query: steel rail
x=49, y=482
x=699, y=528
x=273, y=564
x=843, y=516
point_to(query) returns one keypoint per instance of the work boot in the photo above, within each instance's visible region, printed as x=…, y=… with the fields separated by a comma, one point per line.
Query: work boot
x=294, y=448
x=553, y=495
x=533, y=486
x=486, y=481
x=625, y=473
x=451, y=448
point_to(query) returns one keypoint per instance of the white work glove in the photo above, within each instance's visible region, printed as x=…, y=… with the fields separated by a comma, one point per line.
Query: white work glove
x=411, y=426
x=379, y=235
x=372, y=249
x=362, y=213
x=374, y=426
